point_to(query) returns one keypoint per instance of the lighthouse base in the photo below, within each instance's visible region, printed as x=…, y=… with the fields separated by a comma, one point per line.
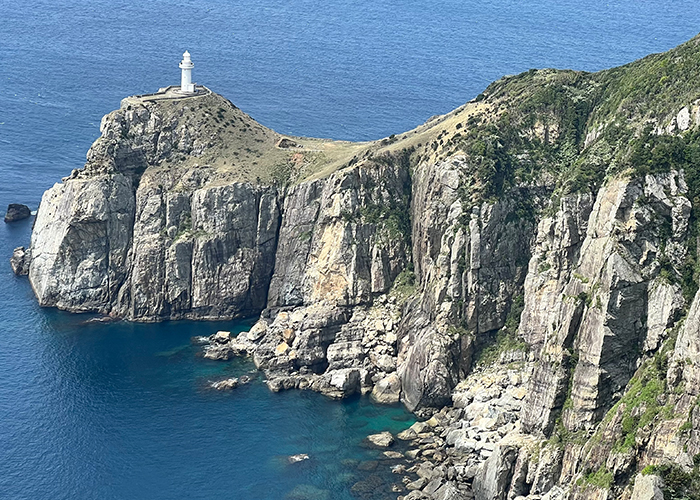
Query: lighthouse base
x=187, y=89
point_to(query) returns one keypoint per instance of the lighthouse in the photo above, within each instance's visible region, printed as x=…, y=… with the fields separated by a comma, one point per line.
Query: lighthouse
x=186, y=85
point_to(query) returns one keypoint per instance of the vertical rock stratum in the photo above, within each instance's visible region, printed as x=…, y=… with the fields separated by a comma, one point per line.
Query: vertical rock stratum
x=523, y=270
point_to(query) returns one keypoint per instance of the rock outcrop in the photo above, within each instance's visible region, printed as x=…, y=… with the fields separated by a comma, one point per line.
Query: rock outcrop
x=142, y=234
x=17, y=211
x=470, y=264
x=20, y=261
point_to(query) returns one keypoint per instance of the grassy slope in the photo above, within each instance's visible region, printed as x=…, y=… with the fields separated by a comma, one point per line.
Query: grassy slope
x=565, y=128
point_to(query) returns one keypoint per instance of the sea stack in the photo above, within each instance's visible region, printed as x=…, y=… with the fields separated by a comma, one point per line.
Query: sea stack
x=17, y=211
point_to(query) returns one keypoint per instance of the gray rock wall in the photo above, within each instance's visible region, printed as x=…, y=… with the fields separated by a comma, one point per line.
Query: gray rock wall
x=141, y=234
x=593, y=288
x=206, y=254
x=80, y=242
x=470, y=263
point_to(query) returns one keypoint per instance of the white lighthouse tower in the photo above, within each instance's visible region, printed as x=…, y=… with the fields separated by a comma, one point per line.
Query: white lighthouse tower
x=186, y=85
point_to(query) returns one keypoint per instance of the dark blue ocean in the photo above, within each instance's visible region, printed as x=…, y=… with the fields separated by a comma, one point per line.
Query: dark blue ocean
x=122, y=411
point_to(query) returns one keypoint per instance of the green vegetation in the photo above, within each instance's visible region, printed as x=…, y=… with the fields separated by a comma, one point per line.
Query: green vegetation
x=542, y=119
x=652, y=86
x=652, y=154
x=560, y=435
x=543, y=129
x=580, y=129
x=281, y=173
x=678, y=484
x=602, y=478
x=641, y=404
x=395, y=217
x=404, y=285
x=544, y=267
x=581, y=278
x=506, y=339
x=185, y=225
x=516, y=310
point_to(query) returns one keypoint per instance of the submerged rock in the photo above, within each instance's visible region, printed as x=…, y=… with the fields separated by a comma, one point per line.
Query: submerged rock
x=225, y=385
x=102, y=319
x=300, y=457
x=308, y=492
x=367, y=488
x=218, y=352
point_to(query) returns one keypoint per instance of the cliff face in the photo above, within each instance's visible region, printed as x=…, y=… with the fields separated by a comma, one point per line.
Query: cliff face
x=523, y=269
x=595, y=301
x=141, y=234
x=470, y=262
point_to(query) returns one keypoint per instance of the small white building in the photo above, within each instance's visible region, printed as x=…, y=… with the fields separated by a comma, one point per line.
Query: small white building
x=186, y=85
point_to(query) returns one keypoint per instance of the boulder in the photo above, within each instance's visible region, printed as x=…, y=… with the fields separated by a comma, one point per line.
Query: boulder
x=300, y=457
x=346, y=381
x=420, y=427
x=387, y=390
x=647, y=488
x=381, y=440
x=432, y=486
x=221, y=337
x=218, y=352
x=257, y=331
x=493, y=479
x=344, y=354
x=20, y=261
x=417, y=484
x=449, y=491
x=416, y=495
x=548, y=469
x=407, y=435
x=17, y=211
x=308, y=492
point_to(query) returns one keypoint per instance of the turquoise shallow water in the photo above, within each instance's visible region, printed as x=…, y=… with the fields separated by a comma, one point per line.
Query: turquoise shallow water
x=120, y=411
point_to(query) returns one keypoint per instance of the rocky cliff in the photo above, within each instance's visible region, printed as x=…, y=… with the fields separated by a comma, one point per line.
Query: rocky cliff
x=522, y=270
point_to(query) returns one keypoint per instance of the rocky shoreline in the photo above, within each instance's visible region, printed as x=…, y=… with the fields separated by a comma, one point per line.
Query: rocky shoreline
x=448, y=456
x=359, y=358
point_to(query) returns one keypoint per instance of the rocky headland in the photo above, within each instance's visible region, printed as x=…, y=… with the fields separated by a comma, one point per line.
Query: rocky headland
x=522, y=273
